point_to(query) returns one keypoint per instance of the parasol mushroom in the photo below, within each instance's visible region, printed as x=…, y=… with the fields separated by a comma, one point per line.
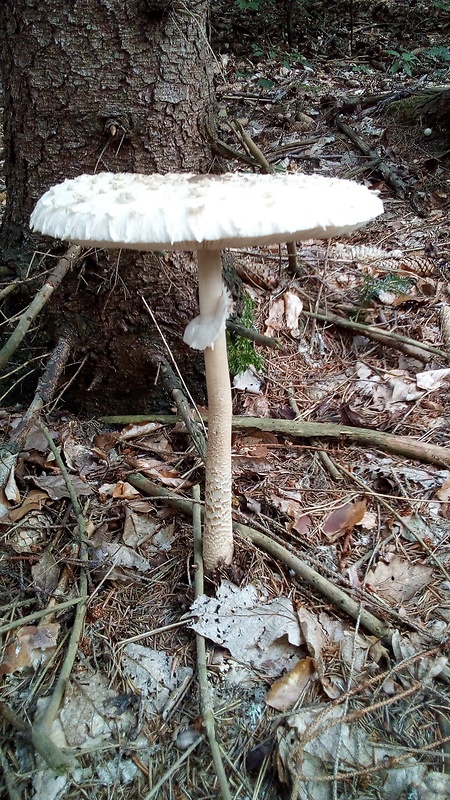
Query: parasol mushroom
x=205, y=213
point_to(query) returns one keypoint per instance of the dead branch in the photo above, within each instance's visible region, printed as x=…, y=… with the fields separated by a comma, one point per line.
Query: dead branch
x=342, y=600
x=419, y=350
x=53, y=280
x=404, y=446
x=54, y=756
x=376, y=162
x=254, y=336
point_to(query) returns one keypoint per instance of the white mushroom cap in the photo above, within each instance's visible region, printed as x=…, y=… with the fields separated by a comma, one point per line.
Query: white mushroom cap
x=192, y=212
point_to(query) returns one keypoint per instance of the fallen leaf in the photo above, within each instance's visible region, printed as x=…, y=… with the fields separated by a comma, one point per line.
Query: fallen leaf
x=285, y=691
x=275, y=320
x=33, y=501
x=29, y=646
x=264, y=635
x=116, y=558
x=45, y=573
x=344, y=519
x=124, y=490
x=400, y=580
x=432, y=379
x=56, y=487
x=247, y=382
x=293, y=308
x=443, y=493
x=138, y=429
x=302, y=524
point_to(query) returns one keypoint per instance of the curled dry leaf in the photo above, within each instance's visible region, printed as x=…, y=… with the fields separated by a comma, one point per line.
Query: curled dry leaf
x=285, y=691
x=29, y=646
x=33, y=501
x=138, y=429
x=343, y=519
x=275, y=319
x=153, y=468
x=123, y=490
x=443, y=493
x=293, y=307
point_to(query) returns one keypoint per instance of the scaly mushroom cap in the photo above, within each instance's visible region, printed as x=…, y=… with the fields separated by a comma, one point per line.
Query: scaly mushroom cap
x=192, y=212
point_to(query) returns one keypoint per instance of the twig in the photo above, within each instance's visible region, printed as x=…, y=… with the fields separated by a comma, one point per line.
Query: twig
x=307, y=573
x=401, y=445
x=45, y=612
x=254, y=336
x=154, y=792
x=53, y=280
x=172, y=385
x=205, y=692
x=389, y=338
x=387, y=172
x=54, y=756
x=266, y=168
x=337, y=596
x=327, y=462
x=46, y=387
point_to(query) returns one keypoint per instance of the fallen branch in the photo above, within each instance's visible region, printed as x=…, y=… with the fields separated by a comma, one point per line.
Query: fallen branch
x=53, y=280
x=173, y=387
x=419, y=350
x=254, y=336
x=404, y=446
x=55, y=757
x=386, y=170
x=342, y=600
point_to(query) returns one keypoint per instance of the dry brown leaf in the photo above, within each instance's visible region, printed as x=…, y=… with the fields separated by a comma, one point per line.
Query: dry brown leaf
x=33, y=501
x=137, y=429
x=316, y=638
x=125, y=491
x=399, y=580
x=285, y=691
x=257, y=406
x=45, y=572
x=289, y=506
x=275, y=320
x=443, y=493
x=29, y=647
x=302, y=524
x=56, y=487
x=344, y=519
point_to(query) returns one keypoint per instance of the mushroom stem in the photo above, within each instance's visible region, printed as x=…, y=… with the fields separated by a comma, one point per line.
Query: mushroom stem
x=218, y=530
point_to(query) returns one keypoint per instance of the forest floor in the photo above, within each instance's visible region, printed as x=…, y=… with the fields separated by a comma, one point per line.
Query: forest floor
x=326, y=650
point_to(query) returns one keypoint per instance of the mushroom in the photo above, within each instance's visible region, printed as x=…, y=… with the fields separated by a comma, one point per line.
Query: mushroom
x=205, y=213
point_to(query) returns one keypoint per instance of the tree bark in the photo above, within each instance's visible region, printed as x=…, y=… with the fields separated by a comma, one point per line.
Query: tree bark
x=121, y=87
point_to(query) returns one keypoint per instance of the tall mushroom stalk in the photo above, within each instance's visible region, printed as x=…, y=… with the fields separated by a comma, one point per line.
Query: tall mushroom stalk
x=218, y=537
x=205, y=213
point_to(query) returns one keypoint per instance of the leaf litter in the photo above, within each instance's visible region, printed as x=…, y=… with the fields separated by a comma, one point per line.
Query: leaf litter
x=334, y=710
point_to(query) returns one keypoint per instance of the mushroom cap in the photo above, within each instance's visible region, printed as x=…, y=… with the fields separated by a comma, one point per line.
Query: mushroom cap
x=191, y=212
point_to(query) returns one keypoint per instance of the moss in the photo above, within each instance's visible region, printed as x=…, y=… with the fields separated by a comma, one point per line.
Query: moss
x=241, y=351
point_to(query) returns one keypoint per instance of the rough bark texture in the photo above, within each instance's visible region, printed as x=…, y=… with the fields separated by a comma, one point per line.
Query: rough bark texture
x=106, y=86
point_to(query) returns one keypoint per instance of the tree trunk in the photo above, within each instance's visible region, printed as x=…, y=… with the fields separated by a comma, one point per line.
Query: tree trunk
x=106, y=86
